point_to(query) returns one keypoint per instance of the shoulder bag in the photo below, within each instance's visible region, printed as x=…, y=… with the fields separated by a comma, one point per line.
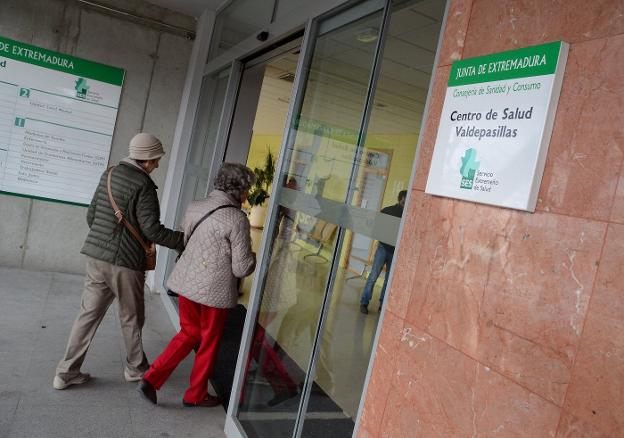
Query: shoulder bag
x=150, y=249
x=203, y=218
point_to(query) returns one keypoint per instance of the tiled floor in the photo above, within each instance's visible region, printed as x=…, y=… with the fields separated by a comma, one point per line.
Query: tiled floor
x=36, y=313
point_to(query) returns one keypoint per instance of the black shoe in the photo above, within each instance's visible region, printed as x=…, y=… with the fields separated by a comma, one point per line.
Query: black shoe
x=282, y=397
x=148, y=392
x=364, y=309
x=209, y=402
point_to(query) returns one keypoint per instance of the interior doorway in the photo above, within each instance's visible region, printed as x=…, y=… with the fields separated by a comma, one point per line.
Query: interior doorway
x=258, y=124
x=254, y=136
x=241, y=115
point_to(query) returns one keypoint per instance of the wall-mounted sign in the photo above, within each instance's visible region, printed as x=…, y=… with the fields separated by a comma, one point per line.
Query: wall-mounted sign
x=57, y=116
x=496, y=125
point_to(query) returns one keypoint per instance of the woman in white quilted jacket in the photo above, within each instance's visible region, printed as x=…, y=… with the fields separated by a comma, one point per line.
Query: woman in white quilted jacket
x=217, y=254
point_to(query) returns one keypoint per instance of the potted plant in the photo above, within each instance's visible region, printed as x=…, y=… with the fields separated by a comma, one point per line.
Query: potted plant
x=259, y=193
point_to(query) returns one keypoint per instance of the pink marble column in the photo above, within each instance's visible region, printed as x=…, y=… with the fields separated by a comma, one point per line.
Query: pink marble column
x=503, y=323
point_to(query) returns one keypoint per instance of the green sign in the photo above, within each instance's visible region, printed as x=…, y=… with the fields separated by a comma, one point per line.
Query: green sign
x=521, y=63
x=58, y=61
x=495, y=126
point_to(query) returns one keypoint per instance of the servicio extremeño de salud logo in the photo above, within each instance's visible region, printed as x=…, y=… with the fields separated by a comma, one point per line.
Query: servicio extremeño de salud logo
x=82, y=88
x=468, y=169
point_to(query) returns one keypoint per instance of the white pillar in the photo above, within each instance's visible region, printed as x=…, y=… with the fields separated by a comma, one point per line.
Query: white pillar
x=181, y=144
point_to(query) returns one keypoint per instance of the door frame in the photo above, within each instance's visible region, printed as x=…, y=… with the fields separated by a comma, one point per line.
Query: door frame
x=352, y=189
x=289, y=24
x=232, y=425
x=238, y=67
x=342, y=15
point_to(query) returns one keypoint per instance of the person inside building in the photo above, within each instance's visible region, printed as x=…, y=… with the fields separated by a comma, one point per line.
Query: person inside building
x=217, y=254
x=383, y=258
x=116, y=258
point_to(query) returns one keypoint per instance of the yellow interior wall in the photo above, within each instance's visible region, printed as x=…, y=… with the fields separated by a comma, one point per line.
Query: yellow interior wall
x=340, y=154
x=402, y=147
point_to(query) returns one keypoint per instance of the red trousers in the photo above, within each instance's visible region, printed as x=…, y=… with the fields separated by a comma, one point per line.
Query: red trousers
x=273, y=370
x=201, y=325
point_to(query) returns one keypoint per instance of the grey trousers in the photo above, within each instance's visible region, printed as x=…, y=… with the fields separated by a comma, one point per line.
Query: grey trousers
x=104, y=283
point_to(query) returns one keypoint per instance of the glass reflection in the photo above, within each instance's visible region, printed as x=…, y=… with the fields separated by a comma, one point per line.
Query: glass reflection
x=285, y=329
x=382, y=170
x=317, y=193
x=328, y=125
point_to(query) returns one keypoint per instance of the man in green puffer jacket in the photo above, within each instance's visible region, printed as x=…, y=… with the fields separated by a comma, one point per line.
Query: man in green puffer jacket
x=115, y=260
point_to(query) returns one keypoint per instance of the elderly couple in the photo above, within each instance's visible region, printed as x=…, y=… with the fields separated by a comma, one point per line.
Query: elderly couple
x=215, y=246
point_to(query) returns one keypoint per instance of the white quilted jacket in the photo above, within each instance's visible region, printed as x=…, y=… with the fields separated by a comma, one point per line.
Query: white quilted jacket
x=216, y=256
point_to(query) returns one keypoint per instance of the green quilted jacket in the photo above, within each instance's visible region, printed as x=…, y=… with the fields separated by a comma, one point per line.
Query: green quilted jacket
x=135, y=194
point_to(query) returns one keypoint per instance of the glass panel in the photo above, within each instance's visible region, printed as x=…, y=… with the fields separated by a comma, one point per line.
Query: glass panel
x=238, y=21
x=268, y=130
x=199, y=158
x=321, y=157
x=315, y=177
x=383, y=169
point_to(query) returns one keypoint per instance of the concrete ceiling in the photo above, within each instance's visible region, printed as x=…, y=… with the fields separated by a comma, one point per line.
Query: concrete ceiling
x=193, y=8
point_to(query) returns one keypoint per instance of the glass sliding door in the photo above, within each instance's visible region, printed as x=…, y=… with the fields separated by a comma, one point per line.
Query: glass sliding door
x=304, y=235
x=296, y=275
x=354, y=122
x=381, y=171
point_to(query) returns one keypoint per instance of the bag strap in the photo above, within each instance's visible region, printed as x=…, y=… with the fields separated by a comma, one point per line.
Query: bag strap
x=204, y=217
x=120, y=216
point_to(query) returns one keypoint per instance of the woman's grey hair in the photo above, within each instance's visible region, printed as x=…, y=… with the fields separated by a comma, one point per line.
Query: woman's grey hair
x=234, y=179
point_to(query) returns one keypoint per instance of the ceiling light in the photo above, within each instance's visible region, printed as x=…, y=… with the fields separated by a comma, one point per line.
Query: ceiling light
x=367, y=35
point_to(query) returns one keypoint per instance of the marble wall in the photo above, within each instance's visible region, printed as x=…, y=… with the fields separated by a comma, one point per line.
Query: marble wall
x=503, y=323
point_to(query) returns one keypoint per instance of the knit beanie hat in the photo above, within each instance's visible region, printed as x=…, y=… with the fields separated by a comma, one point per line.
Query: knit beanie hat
x=145, y=146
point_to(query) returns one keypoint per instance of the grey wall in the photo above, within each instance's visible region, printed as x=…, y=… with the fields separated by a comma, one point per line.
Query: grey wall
x=41, y=235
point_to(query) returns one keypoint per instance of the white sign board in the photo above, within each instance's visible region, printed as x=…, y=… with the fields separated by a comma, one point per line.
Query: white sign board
x=496, y=125
x=57, y=116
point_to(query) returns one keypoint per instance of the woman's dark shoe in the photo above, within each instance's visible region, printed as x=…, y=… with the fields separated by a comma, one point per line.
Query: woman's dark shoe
x=148, y=392
x=209, y=402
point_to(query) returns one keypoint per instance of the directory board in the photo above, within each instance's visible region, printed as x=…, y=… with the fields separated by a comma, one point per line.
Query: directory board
x=57, y=117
